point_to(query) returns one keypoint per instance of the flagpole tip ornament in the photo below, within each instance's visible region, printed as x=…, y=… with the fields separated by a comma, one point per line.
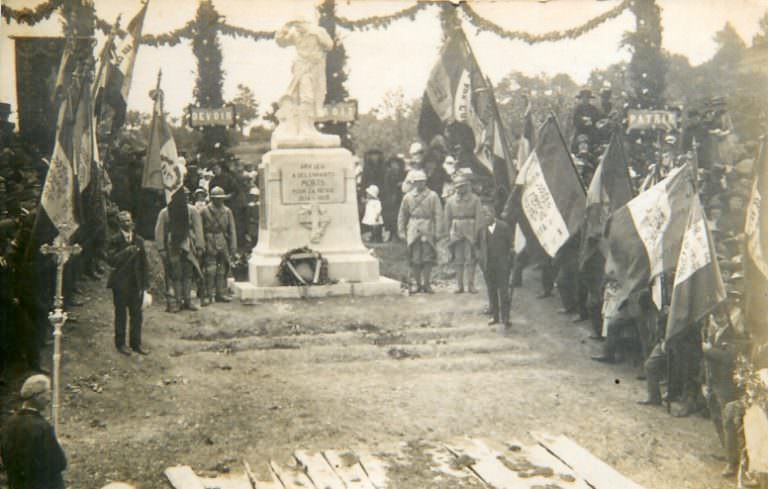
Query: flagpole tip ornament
x=302, y=103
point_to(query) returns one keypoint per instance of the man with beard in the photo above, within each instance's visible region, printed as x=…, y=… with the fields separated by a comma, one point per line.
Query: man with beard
x=179, y=236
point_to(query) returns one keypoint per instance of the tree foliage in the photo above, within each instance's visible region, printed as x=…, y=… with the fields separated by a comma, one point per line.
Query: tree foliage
x=246, y=107
x=390, y=127
x=335, y=72
x=210, y=76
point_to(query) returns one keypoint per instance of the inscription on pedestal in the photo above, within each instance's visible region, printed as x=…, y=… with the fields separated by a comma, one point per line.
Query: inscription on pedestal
x=304, y=183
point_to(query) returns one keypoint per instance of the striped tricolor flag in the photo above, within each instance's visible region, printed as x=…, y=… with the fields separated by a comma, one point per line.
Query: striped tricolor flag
x=645, y=235
x=698, y=287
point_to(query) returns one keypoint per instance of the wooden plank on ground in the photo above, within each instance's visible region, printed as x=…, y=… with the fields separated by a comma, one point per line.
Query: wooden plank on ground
x=374, y=467
x=228, y=481
x=348, y=468
x=183, y=477
x=539, y=457
x=318, y=470
x=290, y=477
x=597, y=473
x=259, y=482
x=485, y=465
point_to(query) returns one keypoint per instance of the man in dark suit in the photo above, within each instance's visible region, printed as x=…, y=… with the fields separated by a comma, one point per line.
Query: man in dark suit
x=30, y=451
x=128, y=281
x=496, y=245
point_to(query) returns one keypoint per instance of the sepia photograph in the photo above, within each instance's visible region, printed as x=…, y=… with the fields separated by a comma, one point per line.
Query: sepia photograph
x=383, y=244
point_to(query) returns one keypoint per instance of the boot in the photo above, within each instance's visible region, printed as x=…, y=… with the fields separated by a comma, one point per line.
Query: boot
x=176, y=301
x=428, y=279
x=416, y=272
x=221, y=287
x=471, y=279
x=460, y=279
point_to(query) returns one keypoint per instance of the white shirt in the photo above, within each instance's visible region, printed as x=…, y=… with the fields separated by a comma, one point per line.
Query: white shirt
x=128, y=235
x=492, y=227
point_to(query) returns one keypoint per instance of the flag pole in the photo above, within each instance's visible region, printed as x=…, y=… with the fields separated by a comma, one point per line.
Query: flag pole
x=61, y=252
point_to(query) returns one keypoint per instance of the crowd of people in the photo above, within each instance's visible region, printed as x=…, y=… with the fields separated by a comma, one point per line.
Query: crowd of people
x=426, y=198
x=695, y=371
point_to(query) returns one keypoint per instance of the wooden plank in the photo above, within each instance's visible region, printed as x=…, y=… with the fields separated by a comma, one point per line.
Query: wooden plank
x=596, y=472
x=290, y=477
x=485, y=465
x=259, y=482
x=348, y=468
x=538, y=456
x=374, y=467
x=318, y=470
x=183, y=477
x=228, y=481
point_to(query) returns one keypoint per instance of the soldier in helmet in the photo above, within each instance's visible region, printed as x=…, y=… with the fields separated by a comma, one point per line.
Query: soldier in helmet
x=419, y=222
x=462, y=215
x=220, y=245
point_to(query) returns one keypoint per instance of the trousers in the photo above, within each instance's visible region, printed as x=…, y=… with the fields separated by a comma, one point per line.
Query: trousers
x=127, y=304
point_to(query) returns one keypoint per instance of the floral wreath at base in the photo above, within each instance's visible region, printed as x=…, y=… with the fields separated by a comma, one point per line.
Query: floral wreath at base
x=287, y=274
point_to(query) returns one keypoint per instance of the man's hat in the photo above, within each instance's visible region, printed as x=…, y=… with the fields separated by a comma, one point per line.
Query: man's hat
x=34, y=385
x=585, y=93
x=461, y=179
x=417, y=176
x=415, y=149
x=254, y=191
x=218, y=193
x=200, y=190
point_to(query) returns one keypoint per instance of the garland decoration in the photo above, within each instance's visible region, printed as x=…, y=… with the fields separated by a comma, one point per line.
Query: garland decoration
x=187, y=32
x=287, y=273
x=30, y=16
x=379, y=22
x=483, y=24
x=234, y=31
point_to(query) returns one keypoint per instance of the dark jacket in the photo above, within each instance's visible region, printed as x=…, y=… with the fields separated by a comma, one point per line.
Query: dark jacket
x=130, y=269
x=31, y=454
x=495, y=250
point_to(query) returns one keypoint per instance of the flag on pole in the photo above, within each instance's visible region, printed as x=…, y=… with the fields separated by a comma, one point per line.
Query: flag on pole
x=552, y=198
x=118, y=59
x=609, y=189
x=163, y=169
x=458, y=96
x=524, y=146
x=756, y=236
x=60, y=195
x=644, y=236
x=698, y=287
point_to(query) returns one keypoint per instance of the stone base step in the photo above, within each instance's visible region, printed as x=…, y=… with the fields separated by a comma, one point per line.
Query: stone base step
x=251, y=294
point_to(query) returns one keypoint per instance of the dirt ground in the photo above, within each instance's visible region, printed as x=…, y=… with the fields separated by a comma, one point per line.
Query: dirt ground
x=399, y=375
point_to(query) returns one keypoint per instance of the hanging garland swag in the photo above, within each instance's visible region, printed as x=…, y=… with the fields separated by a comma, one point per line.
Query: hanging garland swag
x=44, y=10
x=30, y=16
x=483, y=24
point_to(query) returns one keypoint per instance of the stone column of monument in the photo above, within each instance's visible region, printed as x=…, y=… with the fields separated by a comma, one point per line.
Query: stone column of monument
x=307, y=181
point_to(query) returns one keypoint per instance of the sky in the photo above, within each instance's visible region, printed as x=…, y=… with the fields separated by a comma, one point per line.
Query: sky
x=398, y=58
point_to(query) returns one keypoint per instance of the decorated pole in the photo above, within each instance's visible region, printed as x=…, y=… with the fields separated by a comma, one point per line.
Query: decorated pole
x=61, y=252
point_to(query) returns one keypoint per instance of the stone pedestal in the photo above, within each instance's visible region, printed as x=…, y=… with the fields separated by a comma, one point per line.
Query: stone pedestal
x=309, y=199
